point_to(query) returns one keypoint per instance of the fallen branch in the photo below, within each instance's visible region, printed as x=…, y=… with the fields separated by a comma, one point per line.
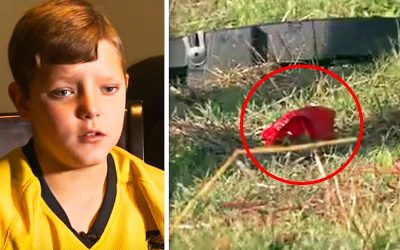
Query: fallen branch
x=237, y=152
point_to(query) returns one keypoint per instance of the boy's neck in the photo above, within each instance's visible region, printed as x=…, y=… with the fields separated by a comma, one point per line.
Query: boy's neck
x=79, y=190
x=58, y=172
x=72, y=181
x=80, y=193
x=59, y=176
x=81, y=178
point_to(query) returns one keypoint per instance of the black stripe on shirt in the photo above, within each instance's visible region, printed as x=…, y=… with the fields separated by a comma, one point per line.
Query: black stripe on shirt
x=97, y=229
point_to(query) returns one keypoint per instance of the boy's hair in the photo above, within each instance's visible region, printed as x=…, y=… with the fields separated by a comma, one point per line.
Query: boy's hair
x=58, y=32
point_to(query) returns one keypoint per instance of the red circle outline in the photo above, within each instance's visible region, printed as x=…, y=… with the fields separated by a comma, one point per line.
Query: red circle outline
x=300, y=66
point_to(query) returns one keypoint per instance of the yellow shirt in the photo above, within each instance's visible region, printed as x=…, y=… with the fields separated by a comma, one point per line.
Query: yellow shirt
x=29, y=219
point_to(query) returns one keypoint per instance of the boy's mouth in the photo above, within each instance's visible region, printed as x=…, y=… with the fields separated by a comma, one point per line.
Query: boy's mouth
x=91, y=136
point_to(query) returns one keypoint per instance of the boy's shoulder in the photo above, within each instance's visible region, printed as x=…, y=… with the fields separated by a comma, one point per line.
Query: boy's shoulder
x=15, y=178
x=14, y=167
x=15, y=175
x=132, y=167
x=131, y=170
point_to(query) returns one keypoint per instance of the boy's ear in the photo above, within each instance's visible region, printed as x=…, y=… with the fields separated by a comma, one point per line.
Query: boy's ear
x=126, y=80
x=19, y=99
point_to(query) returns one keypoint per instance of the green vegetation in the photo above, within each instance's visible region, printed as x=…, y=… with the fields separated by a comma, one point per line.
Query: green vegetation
x=187, y=16
x=248, y=210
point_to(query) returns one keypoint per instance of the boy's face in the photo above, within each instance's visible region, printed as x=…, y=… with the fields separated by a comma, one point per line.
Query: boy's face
x=77, y=110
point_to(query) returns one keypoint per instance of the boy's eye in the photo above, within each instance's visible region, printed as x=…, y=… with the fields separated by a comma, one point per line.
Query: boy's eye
x=110, y=89
x=61, y=92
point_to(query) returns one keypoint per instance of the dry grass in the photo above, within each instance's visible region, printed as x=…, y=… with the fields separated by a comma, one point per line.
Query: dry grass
x=245, y=209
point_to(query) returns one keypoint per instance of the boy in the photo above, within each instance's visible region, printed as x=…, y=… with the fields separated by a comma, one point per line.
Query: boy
x=70, y=187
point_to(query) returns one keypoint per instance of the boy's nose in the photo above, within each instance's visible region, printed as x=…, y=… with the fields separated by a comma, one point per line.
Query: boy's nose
x=88, y=107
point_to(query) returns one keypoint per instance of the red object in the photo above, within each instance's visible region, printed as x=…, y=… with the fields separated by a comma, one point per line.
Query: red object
x=396, y=166
x=315, y=122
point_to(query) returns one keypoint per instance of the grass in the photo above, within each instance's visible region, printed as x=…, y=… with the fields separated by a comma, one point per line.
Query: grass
x=248, y=210
x=253, y=212
x=187, y=16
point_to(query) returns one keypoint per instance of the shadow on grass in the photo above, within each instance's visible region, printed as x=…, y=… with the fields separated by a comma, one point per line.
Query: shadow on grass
x=199, y=155
x=229, y=89
x=382, y=129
